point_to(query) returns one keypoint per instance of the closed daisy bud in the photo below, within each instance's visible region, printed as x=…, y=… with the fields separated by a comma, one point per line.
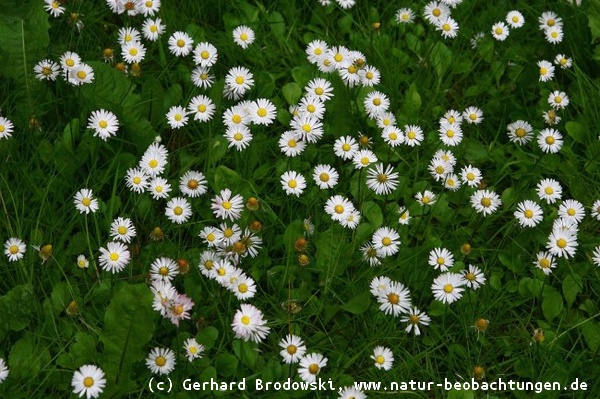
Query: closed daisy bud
x=481, y=324
x=478, y=372
x=303, y=260
x=252, y=204
x=72, y=309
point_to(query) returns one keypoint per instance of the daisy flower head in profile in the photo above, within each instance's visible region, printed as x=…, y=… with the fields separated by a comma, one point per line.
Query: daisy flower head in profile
x=180, y=44
x=441, y=259
x=152, y=28
x=193, y=184
x=46, y=70
x=563, y=61
x=6, y=128
x=485, y=201
x=566, y=224
x=89, y=380
x=346, y=4
x=122, y=229
x=414, y=317
x=382, y=179
x=572, y=210
x=293, y=183
x=474, y=277
x=177, y=117
x=379, y=285
x=325, y=176
x=178, y=210
x=383, y=357
x=293, y=349
x=395, y=299
x=448, y=27
x=405, y=16
x=386, y=241
x=114, y=257
x=529, y=213
x=193, y=350
x=558, y=99
x=239, y=80
x=85, y=201
x=500, y=31
x=425, y=198
x=515, y=19
x=545, y=261
x=227, y=206
x=54, y=7
x=161, y=361
x=104, y=123
x=310, y=366
x=550, y=140
x=549, y=190
x=249, y=324
x=14, y=249
x=520, y=132
x=243, y=36
x=546, y=70
x=448, y=287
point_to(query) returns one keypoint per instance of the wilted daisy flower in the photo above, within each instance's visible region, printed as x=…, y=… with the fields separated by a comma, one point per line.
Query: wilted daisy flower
x=554, y=34
x=321, y=88
x=293, y=183
x=310, y=366
x=180, y=44
x=500, y=31
x=474, y=277
x=325, y=176
x=178, y=210
x=239, y=80
x=558, y=99
x=249, y=325
x=596, y=209
x=338, y=207
x=54, y=7
x=414, y=317
x=291, y=143
x=154, y=160
x=563, y=61
x=177, y=117
x=386, y=241
x=46, y=70
x=85, y=202
x=562, y=243
x=161, y=361
x=80, y=75
x=293, y=349
x=550, y=117
x=413, y=135
x=114, y=257
x=395, y=299
x=345, y=147
x=425, y=198
x=243, y=36
x=405, y=16
x=448, y=26
x=6, y=128
x=370, y=254
x=441, y=259
x=382, y=179
x=485, y=201
x=546, y=70
x=383, y=357
x=528, y=213
x=448, y=287
x=89, y=381
x=122, y=229
x=434, y=11
x=572, y=210
x=205, y=54
x=545, y=262
x=151, y=29
x=224, y=206
x=519, y=132
x=14, y=249
x=376, y=103
x=515, y=19
x=550, y=140
x=193, y=350
x=549, y=190
x=104, y=123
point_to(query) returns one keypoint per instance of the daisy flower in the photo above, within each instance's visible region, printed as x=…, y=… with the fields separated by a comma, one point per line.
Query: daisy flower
x=549, y=190
x=434, y=11
x=159, y=187
x=346, y=4
x=545, y=262
x=515, y=19
x=425, y=198
x=243, y=36
x=291, y=143
x=448, y=27
x=413, y=135
x=393, y=136
x=562, y=243
x=550, y=117
x=89, y=381
x=239, y=80
x=405, y=16
x=178, y=210
x=383, y=357
x=14, y=249
x=558, y=99
x=376, y=103
x=312, y=105
x=151, y=29
x=310, y=366
x=235, y=116
x=500, y=31
x=395, y=299
x=549, y=19
x=224, y=206
x=114, y=257
x=308, y=126
x=477, y=37
x=554, y=34
x=452, y=117
x=69, y=60
x=414, y=317
x=325, y=176
x=202, y=107
x=349, y=75
x=133, y=52
x=293, y=349
x=563, y=61
x=148, y=7
x=321, y=88
x=192, y=184
x=122, y=229
x=177, y=117
x=85, y=202
x=386, y=119
x=293, y=183
x=238, y=137
x=596, y=209
x=485, y=201
x=80, y=75
x=363, y=158
x=55, y=9
x=154, y=160
x=6, y=128
x=136, y=180
x=439, y=169
x=382, y=180
x=473, y=115
x=3, y=370
x=163, y=269
x=451, y=182
x=529, y=214
x=550, y=140
x=179, y=309
x=404, y=218
x=193, y=350
x=351, y=393
x=441, y=259
x=249, y=325
x=596, y=256
x=470, y=175
x=161, y=361
x=338, y=207
x=316, y=50
x=370, y=254
x=450, y=134
x=379, y=285
x=474, y=277
x=262, y=112
x=520, y=132
x=369, y=76
x=386, y=241
x=205, y=54
x=46, y=70
x=546, y=70
x=104, y=123
x=345, y=147
x=180, y=44
x=243, y=288
x=448, y=287
x=202, y=78
x=339, y=56
x=82, y=262
x=572, y=210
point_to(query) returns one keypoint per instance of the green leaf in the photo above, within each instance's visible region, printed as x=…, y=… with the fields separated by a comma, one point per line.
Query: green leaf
x=292, y=93
x=26, y=358
x=591, y=333
x=455, y=394
x=246, y=352
x=359, y=303
x=82, y=351
x=226, y=178
x=128, y=327
x=207, y=337
x=552, y=304
x=576, y=130
x=412, y=101
x=373, y=214
x=16, y=308
x=226, y=364
x=571, y=286
x=441, y=58
x=333, y=253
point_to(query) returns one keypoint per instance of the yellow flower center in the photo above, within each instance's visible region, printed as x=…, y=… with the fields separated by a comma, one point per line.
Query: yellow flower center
x=338, y=57
x=319, y=91
x=201, y=108
x=380, y=359
x=245, y=320
x=549, y=140
x=178, y=117
x=244, y=36
x=376, y=101
x=352, y=69
x=226, y=205
x=243, y=288
x=238, y=136
x=236, y=119
x=485, y=201
x=86, y=201
x=346, y=147
x=103, y=124
x=382, y=178
x=122, y=230
x=178, y=210
x=425, y=200
x=81, y=74
x=193, y=350
x=291, y=349
x=239, y=80
x=411, y=135
x=364, y=160
x=292, y=143
x=70, y=62
x=204, y=55
x=114, y=256
x=561, y=242
x=137, y=180
x=571, y=212
x=13, y=249
x=339, y=209
x=154, y=29
x=180, y=43
x=313, y=369
x=369, y=75
x=450, y=133
x=261, y=112
x=228, y=232
x=386, y=241
x=209, y=264
x=178, y=309
x=324, y=177
x=133, y=51
x=499, y=31
x=148, y=4
x=558, y=99
x=439, y=169
x=515, y=19
x=160, y=361
x=446, y=27
x=544, y=263
x=393, y=298
x=88, y=382
x=448, y=288
x=46, y=71
x=470, y=176
x=470, y=276
x=520, y=132
x=153, y=163
x=543, y=71
x=292, y=184
x=550, y=22
x=311, y=108
x=440, y=261
x=436, y=12
x=413, y=318
x=158, y=189
x=549, y=190
x=393, y=136
x=318, y=51
x=528, y=213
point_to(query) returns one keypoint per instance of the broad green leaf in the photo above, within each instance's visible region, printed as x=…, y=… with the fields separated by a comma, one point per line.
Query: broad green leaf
x=27, y=357
x=226, y=364
x=207, y=337
x=226, y=178
x=529, y=287
x=358, y=304
x=591, y=333
x=372, y=213
x=16, y=308
x=441, y=58
x=81, y=351
x=571, y=286
x=552, y=304
x=333, y=253
x=246, y=352
x=576, y=130
x=456, y=394
x=292, y=92
x=412, y=101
